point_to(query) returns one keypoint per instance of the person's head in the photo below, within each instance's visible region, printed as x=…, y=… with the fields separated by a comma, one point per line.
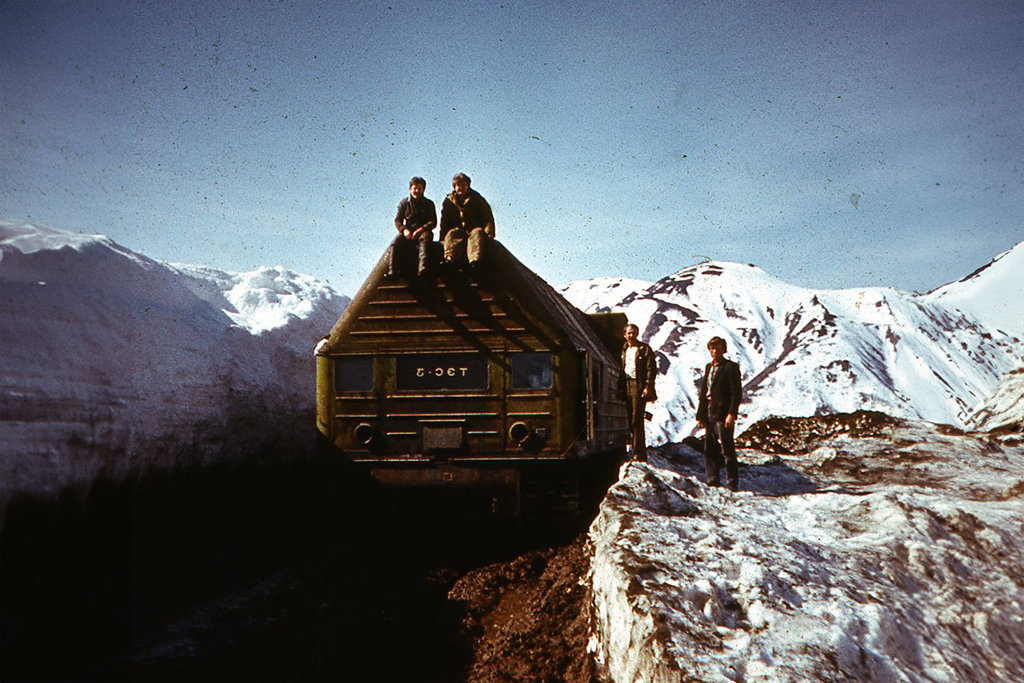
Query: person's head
x=717, y=347
x=630, y=333
x=417, y=186
x=461, y=183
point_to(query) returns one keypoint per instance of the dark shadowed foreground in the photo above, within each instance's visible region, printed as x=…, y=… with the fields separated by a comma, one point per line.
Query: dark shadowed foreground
x=276, y=570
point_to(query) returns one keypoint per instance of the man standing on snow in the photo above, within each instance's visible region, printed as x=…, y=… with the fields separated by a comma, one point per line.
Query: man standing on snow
x=640, y=368
x=717, y=409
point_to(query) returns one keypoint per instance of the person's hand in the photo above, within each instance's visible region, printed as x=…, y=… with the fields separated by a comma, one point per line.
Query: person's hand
x=730, y=420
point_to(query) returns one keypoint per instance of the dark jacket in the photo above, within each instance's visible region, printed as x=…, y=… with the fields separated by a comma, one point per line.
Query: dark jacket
x=646, y=368
x=415, y=214
x=469, y=213
x=726, y=393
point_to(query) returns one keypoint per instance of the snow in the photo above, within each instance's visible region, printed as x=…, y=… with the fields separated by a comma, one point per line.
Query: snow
x=265, y=299
x=1005, y=407
x=888, y=557
x=993, y=293
x=113, y=361
x=896, y=557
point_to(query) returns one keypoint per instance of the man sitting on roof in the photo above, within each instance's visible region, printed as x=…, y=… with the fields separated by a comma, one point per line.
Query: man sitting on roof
x=415, y=223
x=466, y=223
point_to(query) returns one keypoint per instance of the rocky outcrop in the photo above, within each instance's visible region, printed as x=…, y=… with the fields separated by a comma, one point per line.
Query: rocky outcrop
x=891, y=550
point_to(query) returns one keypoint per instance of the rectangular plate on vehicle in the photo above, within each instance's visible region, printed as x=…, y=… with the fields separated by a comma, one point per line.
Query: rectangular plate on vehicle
x=443, y=438
x=441, y=372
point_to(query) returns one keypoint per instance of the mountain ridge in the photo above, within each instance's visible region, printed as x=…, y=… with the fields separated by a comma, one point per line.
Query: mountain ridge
x=810, y=351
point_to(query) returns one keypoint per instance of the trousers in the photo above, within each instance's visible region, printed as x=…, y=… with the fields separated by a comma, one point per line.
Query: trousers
x=405, y=252
x=719, y=451
x=637, y=406
x=460, y=247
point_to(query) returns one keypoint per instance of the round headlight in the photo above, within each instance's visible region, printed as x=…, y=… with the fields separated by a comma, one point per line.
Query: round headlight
x=364, y=434
x=519, y=432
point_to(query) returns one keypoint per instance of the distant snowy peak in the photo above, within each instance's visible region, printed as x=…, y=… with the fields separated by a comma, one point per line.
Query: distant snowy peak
x=592, y=295
x=264, y=299
x=27, y=238
x=993, y=293
x=258, y=301
x=19, y=239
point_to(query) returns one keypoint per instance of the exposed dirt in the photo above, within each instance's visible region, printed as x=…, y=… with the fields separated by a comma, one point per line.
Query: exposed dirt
x=793, y=435
x=528, y=618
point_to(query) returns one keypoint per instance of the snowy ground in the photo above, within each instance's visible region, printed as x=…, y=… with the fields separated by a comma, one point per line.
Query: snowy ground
x=893, y=554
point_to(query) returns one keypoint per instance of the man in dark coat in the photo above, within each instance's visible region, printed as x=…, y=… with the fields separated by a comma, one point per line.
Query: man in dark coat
x=717, y=409
x=415, y=222
x=466, y=223
x=640, y=368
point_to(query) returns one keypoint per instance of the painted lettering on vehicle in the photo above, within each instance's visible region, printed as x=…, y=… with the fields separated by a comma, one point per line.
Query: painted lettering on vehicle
x=442, y=371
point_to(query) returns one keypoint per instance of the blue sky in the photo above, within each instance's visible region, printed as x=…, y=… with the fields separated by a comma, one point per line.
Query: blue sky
x=838, y=144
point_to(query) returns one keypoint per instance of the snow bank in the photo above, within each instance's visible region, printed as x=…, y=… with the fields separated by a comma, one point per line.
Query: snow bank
x=889, y=558
x=112, y=361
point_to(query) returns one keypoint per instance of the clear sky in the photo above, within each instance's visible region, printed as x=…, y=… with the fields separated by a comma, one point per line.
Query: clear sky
x=835, y=144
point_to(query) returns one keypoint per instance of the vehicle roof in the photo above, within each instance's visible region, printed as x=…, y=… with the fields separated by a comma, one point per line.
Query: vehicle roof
x=567, y=325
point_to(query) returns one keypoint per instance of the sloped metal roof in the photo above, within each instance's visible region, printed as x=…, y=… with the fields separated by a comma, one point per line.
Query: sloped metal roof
x=507, y=273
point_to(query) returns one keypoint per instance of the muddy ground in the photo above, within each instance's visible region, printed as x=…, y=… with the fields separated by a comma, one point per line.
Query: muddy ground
x=267, y=571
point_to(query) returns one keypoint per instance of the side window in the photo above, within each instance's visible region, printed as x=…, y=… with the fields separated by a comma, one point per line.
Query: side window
x=353, y=374
x=532, y=371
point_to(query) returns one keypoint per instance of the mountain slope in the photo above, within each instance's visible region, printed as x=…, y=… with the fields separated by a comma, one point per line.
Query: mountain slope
x=804, y=351
x=994, y=293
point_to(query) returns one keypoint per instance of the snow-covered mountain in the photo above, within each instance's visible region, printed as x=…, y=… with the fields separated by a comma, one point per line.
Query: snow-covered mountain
x=809, y=352
x=860, y=546
x=111, y=361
